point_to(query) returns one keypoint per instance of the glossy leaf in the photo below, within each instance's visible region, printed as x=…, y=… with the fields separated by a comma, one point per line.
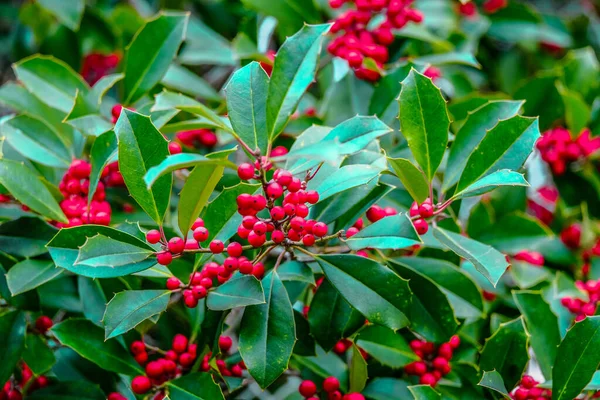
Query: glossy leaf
x=460, y=58
x=12, y=329
x=346, y=178
x=331, y=318
x=411, y=177
x=325, y=365
x=99, y=250
x=294, y=70
x=88, y=341
x=29, y=274
x=26, y=236
x=384, y=102
x=383, y=388
x=38, y=356
x=28, y=188
x=68, y=13
x=373, y=289
x=386, y=346
x=141, y=147
x=492, y=181
x=577, y=112
x=296, y=271
x=246, y=105
x=488, y=261
x=150, y=53
x=267, y=333
x=103, y=151
x=92, y=298
x=291, y=15
x=356, y=133
x=179, y=161
x=492, y=380
x=239, y=291
x=470, y=135
x=392, y=232
x=64, y=249
x=506, y=146
x=424, y=121
x=77, y=389
x=358, y=371
x=576, y=362
x=130, y=308
x=424, y=392
x=181, y=79
x=194, y=386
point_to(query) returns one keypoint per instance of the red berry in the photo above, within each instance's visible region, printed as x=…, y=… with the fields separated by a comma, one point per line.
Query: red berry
x=308, y=240
x=528, y=382
x=199, y=292
x=277, y=213
x=274, y=190
x=154, y=369
x=236, y=370
x=234, y=249
x=312, y=197
x=174, y=148
x=259, y=202
x=246, y=267
x=440, y=363
x=153, y=236
x=216, y=247
x=141, y=358
x=43, y=323
x=297, y=223
x=421, y=226
x=375, y=213
x=278, y=236
x=114, y=396
x=425, y=210
x=307, y=388
x=301, y=210
x=260, y=228
x=138, y=347
x=445, y=351
x=141, y=384
x=201, y=234
x=246, y=171
x=190, y=301
x=176, y=245
x=180, y=343
x=295, y=185
x=454, y=341
x=116, y=110
x=256, y=240
x=173, y=283
x=331, y=384
x=351, y=232
x=284, y=178
x=198, y=223
x=289, y=209
x=186, y=359
x=319, y=229
x=258, y=270
x=428, y=379
x=164, y=258
x=225, y=343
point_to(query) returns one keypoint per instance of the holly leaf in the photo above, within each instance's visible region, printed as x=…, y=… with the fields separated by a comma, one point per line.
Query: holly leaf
x=493, y=380
x=411, y=177
x=92, y=298
x=38, y=355
x=356, y=133
x=77, y=389
x=194, y=386
x=240, y=290
x=386, y=346
x=490, y=182
x=104, y=150
x=12, y=330
x=392, y=232
x=424, y=392
x=358, y=371
x=180, y=161
x=29, y=274
x=101, y=250
x=345, y=178
x=69, y=13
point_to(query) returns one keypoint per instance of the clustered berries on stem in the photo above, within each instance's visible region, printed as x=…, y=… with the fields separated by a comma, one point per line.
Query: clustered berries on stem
x=530, y=257
x=559, y=149
x=434, y=363
x=583, y=308
x=331, y=386
x=236, y=369
x=14, y=389
x=97, y=65
x=359, y=42
x=543, y=204
x=528, y=389
x=197, y=137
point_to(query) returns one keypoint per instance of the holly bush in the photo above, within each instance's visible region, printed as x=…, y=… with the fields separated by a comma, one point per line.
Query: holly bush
x=352, y=199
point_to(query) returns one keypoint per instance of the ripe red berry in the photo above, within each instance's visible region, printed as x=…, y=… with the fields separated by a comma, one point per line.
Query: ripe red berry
x=278, y=236
x=201, y=234
x=307, y=388
x=116, y=110
x=153, y=236
x=308, y=240
x=277, y=213
x=445, y=351
x=528, y=382
x=174, y=148
x=260, y=228
x=284, y=178
x=176, y=245
x=425, y=210
x=43, y=323
x=236, y=370
x=199, y=292
x=428, y=379
x=230, y=264
x=259, y=202
x=331, y=384
x=454, y=341
x=351, y=232
x=297, y=223
x=113, y=396
x=225, y=343
x=164, y=258
x=246, y=267
x=375, y=213
x=137, y=347
x=198, y=223
x=180, y=343
x=256, y=240
x=141, y=384
x=421, y=226
x=246, y=171
x=216, y=247
x=141, y=358
x=295, y=185
x=319, y=229
x=234, y=249
x=190, y=301
x=312, y=197
x=186, y=359
x=173, y=283
x=274, y=190
x=154, y=369
x=289, y=208
x=258, y=270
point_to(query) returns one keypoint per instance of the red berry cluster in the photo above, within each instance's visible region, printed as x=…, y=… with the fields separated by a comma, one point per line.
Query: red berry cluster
x=530, y=257
x=558, y=149
x=331, y=386
x=571, y=236
x=582, y=308
x=468, y=9
x=173, y=362
x=74, y=187
x=97, y=65
x=236, y=370
x=358, y=41
x=197, y=137
x=434, y=361
x=115, y=396
x=13, y=389
x=492, y=6
x=527, y=389
x=542, y=206
x=433, y=73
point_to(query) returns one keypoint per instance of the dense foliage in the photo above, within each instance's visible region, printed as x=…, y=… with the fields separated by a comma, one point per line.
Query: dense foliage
x=343, y=200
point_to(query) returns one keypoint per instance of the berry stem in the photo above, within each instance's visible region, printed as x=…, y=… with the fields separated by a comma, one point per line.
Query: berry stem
x=263, y=254
x=280, y=258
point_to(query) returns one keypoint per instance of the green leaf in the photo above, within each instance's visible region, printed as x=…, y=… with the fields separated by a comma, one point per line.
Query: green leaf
x=296, y=271
x=103, y=151
x=92, y=298
x=492, y=181
x=88, y=341
x=373, y=289
x=28, y=188
x=100, y=88
x=517, y=231
x=194, y=386
x=478, y=123
x=489, y=262
x=492, y=380
x=183, y=80
x=36, y=141
x=38, y=355
x=64, y=250
x=387, y=389
x=460, y=58
x=305, y=343
x=542, y=98
x=246, y=105
x=12, y=331
x=331, y=318
x=150, y=53
x=26, y=236
x=50, y=80
x=386, y=346
x=506, y=352
x=392, y=232
x=577, y=112
x=291, y=15
x=424, y=121
x=542, y=327
x=239, y=291
x=294, y=70
x=325, y=365
x=358, y=371
x=384, y=99
x=355, y=134
x=411, y=177
x=85, y=116
x=431, y=314
x=267, y=333
x=141, y=147
x=581, y=71
x=576, y=361
x=129, y=308
x=68, y=13
x=74, y=390
x=100, y=250
x=459, y=288
x=506, y=146
x=179, y=161
x=346, y=178
x=424, y=392
x=29, y=274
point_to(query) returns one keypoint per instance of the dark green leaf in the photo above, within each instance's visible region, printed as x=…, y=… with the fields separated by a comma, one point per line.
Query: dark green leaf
x=12, y=331
x=488, y=261
x=346, y=178
x=27, y=187
x=358, y=371
x=305, y=343
x=411, y=177
x=85, y=116
x=386, y=346
x=373, y=289
x=195, y=386
x=100, y=250
x=449, y=58
x=75, y=390
x=246, y=105
x=387, y=389
x=267, y=333
x=384, y=99
x=356, y=133
x=129, y=308
x=581, y=70
x=492, y=380
x=183, y=80
x=38, y=355
x=325, y=365
x=296, y=271
x=141, y=147
x=517, y=231
x=103, y=151
x=180, y=161
x=150, y=53
x=26, y=236
x=424, y=121
x=240, y=290
x=92, y=298
x=492, y=181
x=393, y=232
x=291, y=15
x=424, y=392
x=68, y=13
x=29, y=274
x=577, y=112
